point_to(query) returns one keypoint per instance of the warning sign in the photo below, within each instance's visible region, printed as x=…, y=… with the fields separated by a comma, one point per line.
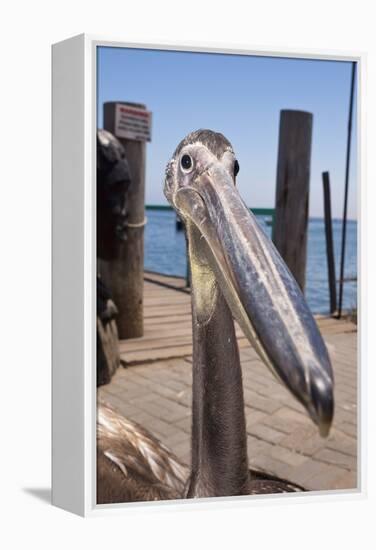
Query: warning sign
x=132, y=123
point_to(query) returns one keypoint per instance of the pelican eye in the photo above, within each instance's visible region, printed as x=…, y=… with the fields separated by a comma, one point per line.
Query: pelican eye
x=236, y=168
x=186, y=162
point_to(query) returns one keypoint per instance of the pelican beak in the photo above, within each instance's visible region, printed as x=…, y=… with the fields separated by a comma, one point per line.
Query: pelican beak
x=260, y=290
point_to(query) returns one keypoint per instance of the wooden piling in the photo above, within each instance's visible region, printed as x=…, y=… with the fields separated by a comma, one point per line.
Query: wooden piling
x=329, y=243
x=124, y=275
x=292, y=190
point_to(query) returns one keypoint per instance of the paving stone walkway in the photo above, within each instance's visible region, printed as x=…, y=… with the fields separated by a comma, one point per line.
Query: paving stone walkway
x=281, y=438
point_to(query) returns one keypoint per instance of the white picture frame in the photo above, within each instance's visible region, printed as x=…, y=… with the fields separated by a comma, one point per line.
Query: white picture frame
x=74, y=270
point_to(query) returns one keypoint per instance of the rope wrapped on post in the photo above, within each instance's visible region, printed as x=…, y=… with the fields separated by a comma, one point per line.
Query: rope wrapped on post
x=140, y=224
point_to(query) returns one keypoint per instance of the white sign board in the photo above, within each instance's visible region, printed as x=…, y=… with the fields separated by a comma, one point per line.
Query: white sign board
x=132, y=123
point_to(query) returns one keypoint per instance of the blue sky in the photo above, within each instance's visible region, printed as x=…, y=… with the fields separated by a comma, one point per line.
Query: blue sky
x=240, y=96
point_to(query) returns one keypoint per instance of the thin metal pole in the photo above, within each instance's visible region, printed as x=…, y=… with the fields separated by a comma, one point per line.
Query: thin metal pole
x=329, y=243
x=344, y=220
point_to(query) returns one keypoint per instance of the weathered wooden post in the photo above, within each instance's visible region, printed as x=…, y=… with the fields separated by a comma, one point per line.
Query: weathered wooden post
x=131, y=124
x=292, y=191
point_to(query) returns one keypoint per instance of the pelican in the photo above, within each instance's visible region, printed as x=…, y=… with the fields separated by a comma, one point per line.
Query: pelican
x=236, y=273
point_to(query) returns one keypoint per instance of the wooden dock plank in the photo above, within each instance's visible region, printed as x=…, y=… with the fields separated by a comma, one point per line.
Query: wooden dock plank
x=167, y=321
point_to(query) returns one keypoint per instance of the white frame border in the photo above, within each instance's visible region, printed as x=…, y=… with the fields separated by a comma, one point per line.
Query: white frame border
x=86, y=504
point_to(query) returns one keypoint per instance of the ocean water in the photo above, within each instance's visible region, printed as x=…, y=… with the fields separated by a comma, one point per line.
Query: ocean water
x=165, y=252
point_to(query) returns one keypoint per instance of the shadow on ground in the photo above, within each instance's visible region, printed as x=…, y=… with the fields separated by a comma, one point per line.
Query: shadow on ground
x=41, y=493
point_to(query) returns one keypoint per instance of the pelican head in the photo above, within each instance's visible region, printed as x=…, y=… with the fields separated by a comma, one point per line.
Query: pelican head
x=259, y=289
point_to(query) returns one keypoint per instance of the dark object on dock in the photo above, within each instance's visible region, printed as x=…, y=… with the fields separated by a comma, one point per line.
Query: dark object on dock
x=108, y=356
x=179, y=224
x=292, y=191
x=329, y=243
x=113, y=182
x=344, y=220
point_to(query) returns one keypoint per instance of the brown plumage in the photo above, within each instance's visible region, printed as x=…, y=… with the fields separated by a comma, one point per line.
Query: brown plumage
x=132, y=465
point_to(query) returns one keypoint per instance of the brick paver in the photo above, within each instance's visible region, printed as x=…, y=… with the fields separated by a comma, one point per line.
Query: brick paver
x=281, y=438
